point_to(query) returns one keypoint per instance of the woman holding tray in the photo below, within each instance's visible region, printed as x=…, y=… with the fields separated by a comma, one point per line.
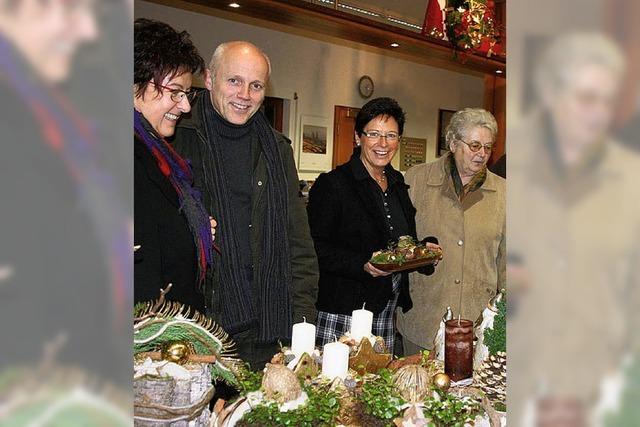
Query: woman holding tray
x=355, y=210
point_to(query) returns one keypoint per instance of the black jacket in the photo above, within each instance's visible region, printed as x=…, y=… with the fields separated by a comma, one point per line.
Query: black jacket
x=347, y=226
x=190, y=142
x=167, y=251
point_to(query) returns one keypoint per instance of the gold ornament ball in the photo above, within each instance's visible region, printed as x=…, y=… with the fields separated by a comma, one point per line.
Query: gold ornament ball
x=176, y=351
x=442, y=381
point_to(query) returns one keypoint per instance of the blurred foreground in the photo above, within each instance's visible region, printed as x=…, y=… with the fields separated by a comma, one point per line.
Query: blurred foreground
x=573, y=213
x=65, y=230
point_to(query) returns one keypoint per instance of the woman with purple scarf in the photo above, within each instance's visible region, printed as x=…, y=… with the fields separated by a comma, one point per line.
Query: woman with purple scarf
x=173, y=234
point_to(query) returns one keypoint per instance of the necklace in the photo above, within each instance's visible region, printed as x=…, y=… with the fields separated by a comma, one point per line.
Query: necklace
x=380, y=180
x=383, y=177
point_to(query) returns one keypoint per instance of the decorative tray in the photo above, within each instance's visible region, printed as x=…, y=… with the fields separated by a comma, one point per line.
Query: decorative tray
x=407, y=254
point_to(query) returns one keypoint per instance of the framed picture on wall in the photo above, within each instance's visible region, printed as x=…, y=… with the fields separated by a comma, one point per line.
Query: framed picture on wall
x=315, y=146
x=443, y=120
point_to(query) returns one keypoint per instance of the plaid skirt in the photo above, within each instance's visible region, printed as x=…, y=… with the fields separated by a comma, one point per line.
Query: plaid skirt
x=331, y=326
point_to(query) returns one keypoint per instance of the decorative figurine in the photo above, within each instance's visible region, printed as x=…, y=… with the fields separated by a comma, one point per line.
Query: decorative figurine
x=438, y=342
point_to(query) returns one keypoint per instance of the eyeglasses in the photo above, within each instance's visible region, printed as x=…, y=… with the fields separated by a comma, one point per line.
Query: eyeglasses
x=475, y=146
x=177, y=95
x=376, y=135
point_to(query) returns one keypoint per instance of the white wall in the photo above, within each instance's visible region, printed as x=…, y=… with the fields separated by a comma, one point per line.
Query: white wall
x=324, y=74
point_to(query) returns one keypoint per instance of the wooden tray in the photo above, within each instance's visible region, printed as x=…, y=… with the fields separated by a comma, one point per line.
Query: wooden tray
x=407, y=265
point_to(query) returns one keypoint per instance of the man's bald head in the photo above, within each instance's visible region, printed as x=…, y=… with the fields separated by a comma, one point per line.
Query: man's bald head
x=237, y=77
x=234, y=48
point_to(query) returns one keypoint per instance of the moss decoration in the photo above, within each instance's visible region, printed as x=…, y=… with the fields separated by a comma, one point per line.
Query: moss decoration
x=496, y=338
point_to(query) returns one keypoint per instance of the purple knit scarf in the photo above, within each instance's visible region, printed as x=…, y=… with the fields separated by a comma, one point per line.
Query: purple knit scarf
x=178, y=172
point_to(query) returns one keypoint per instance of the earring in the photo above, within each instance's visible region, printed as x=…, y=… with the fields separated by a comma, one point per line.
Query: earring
x=357, y=143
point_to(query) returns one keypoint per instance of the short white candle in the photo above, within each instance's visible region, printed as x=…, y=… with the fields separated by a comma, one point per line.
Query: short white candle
x=303, y=338
x=361, y=322
x=335, y=360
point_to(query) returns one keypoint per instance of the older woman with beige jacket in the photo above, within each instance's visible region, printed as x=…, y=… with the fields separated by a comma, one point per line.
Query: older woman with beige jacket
x=462, y=203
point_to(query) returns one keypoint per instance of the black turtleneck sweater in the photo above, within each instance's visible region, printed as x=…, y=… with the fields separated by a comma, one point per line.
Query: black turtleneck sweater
x=236, y=144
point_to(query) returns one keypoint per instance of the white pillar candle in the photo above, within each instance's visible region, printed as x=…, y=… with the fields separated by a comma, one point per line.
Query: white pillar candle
x=361, y=322
x=335, y=360
x=303, y=338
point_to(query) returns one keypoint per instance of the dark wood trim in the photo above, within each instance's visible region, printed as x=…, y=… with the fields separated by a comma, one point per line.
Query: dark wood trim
x=320, y=20
x=441, y=145
x=274, y=108
x=495, y=102
x=336, y=108
x=351, y=112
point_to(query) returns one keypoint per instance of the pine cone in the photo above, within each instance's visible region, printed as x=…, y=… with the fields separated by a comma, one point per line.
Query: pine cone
x=491, y=377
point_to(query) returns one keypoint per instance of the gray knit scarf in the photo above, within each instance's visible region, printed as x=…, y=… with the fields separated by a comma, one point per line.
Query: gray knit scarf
x=234, y=297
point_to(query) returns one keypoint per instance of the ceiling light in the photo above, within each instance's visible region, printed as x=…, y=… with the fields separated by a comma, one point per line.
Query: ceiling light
x=395, y=45
x=234, y=5
x=498, y=71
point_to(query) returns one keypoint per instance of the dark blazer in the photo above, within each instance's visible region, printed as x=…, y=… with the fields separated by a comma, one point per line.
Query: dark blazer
x=347, y=226
x=191, y=143
x=167, y=253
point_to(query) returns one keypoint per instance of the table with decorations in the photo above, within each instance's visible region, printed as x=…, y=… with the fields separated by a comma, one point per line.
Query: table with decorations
x=181, y=355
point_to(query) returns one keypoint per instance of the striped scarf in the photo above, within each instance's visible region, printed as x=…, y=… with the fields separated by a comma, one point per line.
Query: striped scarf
x=178, y=171
x=235, y=300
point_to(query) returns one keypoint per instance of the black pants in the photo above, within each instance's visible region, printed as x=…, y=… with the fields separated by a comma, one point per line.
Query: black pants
x=257, y=355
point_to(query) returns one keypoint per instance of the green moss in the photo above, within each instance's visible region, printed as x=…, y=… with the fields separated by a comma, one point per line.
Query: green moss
x=320, y=410
x=448, y=410
x=380, y=398
x=249, y=380
x=496, y=338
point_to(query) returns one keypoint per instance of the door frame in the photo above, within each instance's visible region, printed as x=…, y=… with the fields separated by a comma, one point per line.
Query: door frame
x=335, y=129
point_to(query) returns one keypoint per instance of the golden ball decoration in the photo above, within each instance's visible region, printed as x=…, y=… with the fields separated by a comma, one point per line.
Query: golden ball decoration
x=176, y=352
x=280, y=383
x=442, y=381
x=412, y=381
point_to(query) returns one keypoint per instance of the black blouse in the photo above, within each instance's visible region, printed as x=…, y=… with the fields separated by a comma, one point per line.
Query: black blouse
x=390, y=207
x=349, y=221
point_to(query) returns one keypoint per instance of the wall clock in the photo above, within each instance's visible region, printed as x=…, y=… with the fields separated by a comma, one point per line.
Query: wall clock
x=365, y=86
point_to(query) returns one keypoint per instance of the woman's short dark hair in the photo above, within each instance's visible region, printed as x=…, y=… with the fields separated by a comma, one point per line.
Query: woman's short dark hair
x=380, y=107
x=160, y=51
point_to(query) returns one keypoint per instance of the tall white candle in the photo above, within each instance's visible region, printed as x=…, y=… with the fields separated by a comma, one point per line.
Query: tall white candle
x=335, y=360
x=303, y=338
x=361, y=322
